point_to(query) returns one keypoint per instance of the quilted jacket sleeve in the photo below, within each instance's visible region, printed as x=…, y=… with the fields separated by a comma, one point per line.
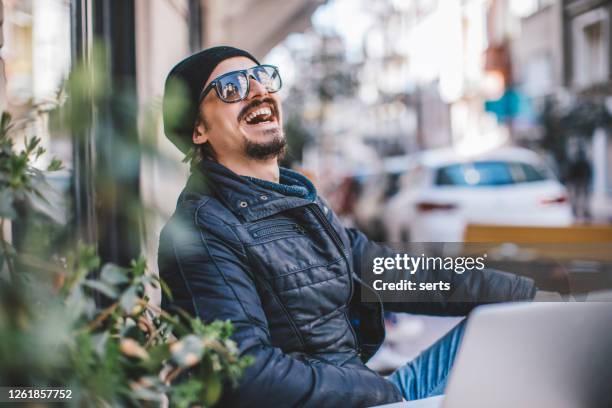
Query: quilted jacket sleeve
x=209, y=276
x=468, y=290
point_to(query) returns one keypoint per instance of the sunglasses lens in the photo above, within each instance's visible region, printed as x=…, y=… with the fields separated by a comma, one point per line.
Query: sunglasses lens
x=268, y=76
x=232, y=87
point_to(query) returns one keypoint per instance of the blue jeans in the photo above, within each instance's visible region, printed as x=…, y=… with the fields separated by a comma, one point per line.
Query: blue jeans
x=426, y=375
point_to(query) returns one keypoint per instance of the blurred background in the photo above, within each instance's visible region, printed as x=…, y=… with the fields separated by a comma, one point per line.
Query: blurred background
x=419, y=120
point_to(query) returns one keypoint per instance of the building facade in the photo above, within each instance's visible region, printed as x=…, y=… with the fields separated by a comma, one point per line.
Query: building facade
x=587, y=41
x=588, y=76
x=561, y=65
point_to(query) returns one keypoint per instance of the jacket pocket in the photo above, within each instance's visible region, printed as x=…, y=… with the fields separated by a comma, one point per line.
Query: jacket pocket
x=277, y=229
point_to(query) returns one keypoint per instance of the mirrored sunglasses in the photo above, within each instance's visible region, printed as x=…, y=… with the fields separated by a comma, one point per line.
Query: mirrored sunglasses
x=234, y=86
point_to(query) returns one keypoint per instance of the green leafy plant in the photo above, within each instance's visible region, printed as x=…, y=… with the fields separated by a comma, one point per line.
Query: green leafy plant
x=100, y=337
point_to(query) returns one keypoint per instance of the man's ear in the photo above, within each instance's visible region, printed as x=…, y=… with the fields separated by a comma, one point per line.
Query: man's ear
x=199, y=135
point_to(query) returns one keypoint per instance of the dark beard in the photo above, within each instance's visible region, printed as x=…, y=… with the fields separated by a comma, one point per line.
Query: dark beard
x=264, y=151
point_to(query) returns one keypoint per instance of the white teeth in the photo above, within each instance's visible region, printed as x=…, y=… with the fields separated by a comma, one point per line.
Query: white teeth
x=262, y=111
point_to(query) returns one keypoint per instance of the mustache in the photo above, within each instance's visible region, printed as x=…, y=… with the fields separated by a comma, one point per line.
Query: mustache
x=255, y=103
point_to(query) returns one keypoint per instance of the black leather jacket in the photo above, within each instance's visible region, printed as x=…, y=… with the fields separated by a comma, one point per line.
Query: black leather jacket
x=284, y=271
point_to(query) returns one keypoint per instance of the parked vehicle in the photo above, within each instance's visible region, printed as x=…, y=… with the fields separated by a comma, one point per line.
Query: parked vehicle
x=374, y=188
x=444, y=192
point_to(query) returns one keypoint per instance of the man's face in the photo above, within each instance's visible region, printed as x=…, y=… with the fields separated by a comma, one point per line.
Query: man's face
x=251, y=128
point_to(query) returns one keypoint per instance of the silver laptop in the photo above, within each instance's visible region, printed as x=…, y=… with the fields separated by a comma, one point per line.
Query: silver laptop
x=540, y=355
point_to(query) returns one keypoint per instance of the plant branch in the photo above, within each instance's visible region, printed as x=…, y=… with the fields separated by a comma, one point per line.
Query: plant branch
x=100, y=318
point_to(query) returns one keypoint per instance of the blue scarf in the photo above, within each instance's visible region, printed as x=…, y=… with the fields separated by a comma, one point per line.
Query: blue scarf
x=291, y=183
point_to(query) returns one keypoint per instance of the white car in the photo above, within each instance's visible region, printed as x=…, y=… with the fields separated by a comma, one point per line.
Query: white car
x=444, y=192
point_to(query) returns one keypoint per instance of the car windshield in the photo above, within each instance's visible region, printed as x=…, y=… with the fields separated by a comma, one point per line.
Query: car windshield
x=487, y=173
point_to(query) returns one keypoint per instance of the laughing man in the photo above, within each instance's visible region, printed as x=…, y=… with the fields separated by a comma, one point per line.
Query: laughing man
x=253, y=243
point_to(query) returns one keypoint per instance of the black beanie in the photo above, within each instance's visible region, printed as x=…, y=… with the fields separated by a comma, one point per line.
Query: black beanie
x=182, y=91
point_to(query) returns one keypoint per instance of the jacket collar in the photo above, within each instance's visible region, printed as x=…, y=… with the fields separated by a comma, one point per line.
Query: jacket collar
x=245, y=198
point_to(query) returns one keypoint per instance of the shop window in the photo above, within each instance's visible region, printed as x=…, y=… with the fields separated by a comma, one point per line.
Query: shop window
x=590, y=33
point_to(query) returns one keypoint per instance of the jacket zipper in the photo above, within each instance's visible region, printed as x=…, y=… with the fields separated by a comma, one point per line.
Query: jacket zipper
x=265, y=231
x=334, y=236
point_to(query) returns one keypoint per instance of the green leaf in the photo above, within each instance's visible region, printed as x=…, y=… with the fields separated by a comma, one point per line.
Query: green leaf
x=157, y=355
x=139, y=266
x=39, y=152
x=86, y=258
x=55, y=165
x=129, y=299
x=165, y=288
x=212, y=389
x=31, y=144
x=102, y=287
x=187, y=351
x=5, y=122
x=185, y=394
x=113, y=274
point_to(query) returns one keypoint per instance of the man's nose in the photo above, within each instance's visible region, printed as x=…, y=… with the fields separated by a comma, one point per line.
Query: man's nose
x=256, y=88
